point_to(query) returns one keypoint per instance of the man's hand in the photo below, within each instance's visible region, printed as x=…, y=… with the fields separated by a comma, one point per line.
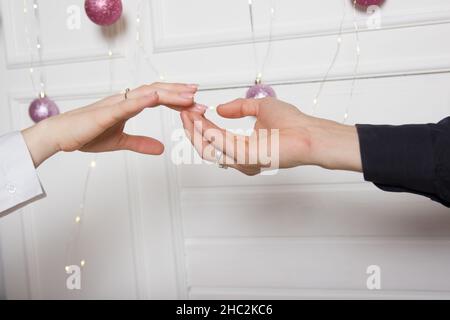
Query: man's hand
x=99, y=127
x=300, y=139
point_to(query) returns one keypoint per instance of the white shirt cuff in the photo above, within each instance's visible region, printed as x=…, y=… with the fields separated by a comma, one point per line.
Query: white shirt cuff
x=19, y=182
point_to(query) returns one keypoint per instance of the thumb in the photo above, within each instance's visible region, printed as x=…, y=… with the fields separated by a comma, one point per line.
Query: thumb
x=239, y=108
x=141, y=144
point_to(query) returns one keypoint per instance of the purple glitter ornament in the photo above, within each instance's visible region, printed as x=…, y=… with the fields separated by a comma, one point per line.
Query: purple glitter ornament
x=259, y=91
x=367, y=3
x=103, y=12
x=42, y=108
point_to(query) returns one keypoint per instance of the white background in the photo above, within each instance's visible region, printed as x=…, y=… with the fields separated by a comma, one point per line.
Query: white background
x=156, y=230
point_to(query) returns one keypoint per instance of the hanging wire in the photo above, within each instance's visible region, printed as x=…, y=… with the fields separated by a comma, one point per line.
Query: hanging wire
x=260, y=68
x=36, y=24
x=356, y=67
x=73, y=246
x=141, y=46
x=39, y=47
x=28, y=41
x=333, y=61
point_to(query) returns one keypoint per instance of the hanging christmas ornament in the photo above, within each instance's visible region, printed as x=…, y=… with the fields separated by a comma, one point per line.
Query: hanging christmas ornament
x=103, y=12
x=367, y=3
x=260, y=90
x=42, y=108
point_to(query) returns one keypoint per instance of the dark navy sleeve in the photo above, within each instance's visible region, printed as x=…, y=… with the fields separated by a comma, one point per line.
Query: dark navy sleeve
x=408, y=158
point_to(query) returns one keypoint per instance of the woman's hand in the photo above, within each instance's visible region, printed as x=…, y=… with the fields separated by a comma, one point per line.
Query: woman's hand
x=99, y=127
x=283, y=137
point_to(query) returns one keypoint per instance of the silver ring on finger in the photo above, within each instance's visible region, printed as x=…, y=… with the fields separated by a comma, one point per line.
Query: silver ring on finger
x=219, y=156
x=127, y=91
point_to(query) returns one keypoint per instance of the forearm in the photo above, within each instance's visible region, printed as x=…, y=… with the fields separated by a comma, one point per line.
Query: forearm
x=39, y=140
x=334, y=146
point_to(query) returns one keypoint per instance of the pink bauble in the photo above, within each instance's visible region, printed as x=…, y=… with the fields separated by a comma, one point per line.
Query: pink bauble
x=42, y=108
x=366, y=3
x=259, y=91
x=103, y=12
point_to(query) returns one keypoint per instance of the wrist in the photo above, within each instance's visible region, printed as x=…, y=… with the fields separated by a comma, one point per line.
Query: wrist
x=334, y=146
x=40, y=142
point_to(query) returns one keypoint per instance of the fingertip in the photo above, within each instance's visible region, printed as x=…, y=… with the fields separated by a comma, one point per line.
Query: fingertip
x=198, y=108
x=194, y=87
x=161, y=150
x=155, y=148
x=220, y=108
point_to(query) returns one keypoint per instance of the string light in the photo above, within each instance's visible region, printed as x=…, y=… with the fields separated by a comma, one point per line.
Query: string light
x=260, y=67
x=337, y=52
x=73, y=243
x=112, y=31
x=37, y=45
x=357, y=62
x=333, y=61
x=141, y=46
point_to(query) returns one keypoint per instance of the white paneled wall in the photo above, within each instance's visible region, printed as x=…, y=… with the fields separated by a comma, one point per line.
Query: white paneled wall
x=156, y=230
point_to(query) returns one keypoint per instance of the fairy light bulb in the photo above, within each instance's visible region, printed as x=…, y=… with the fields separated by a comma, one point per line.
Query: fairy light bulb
x=82, y=263
x=67, y=268
x=259, y=77
x=78, y=219
x=93, y=164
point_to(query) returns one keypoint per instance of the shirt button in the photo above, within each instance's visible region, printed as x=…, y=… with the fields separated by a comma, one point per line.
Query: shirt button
x=11, y=188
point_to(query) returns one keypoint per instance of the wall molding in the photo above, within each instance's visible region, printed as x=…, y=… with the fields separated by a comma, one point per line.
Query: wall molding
x=194, y=243
x=322, y=263
x=382, y=68
x=198, y=292
x=164, y=42
x=17, y=59
x=174, y=192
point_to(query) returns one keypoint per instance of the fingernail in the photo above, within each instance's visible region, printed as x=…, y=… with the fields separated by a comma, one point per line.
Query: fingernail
x=199, y=108
x=187, y=95
x=193, y=86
